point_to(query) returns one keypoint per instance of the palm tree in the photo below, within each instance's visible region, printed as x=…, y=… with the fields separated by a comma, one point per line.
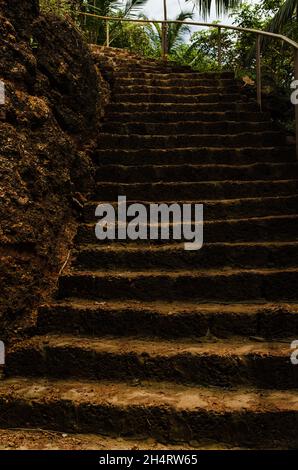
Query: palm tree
x=221, y=6
x=175, y=33
x=287, y=14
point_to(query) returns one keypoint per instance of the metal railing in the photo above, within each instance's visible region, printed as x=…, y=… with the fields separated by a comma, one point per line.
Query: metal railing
x=258, y=33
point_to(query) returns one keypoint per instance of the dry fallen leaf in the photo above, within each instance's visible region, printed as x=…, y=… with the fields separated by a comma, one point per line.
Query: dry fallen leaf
x=247, y=80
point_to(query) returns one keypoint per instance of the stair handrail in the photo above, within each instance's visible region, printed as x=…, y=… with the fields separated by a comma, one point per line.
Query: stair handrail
x=258, y=32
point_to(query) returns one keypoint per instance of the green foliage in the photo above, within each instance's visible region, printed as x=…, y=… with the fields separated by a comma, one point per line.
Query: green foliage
x=285, y=18
x=206, y=43
x=61, y=7
x=96, y=28
x=134, y=37
x=238, y=53
x=238, y=48
x=277, y=58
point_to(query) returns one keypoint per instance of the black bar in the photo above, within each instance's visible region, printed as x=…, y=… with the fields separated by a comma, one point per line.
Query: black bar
x=144, y=459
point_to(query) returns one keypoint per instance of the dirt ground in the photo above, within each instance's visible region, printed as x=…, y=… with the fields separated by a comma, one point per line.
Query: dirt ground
x=48, y=440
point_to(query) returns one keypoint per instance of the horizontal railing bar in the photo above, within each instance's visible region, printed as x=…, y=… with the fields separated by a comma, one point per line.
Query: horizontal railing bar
x=193, y=23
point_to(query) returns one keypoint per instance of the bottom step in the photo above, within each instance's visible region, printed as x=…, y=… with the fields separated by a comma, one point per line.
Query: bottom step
x=27, y=439
x=166, y=412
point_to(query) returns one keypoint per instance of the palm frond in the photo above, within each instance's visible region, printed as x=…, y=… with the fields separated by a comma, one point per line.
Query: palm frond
x=176, y=31
x=221, y=6
x=115, y=7
x=133, y=6
x=283, y=16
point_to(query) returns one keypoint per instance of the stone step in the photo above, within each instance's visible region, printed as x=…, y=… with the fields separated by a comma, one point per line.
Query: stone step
x=193, y=155
x=221, y=209
x=189, y=116
x=30, y=439
x=173, y=80
x=175, y=98
x=253, y=229
x=203, y=173
x=131, y=64
x=162, y=89
x=106, y=191
x=175, y=412
x=186, y=127
x=164, y=75
x=225, y=363
x=244, y=139
x=134, y=62
x=174, y=256
x=186, y=107
x=226, y=285
x=169, y=320
x=151, y=68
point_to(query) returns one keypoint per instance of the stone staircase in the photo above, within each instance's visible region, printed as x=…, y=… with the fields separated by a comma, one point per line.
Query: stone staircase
x=145, y=339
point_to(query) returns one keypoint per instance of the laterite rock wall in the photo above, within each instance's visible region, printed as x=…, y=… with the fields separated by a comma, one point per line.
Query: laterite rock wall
x=54, y=99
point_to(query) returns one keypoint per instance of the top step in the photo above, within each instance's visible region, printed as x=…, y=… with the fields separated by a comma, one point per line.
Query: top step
x=136, y=65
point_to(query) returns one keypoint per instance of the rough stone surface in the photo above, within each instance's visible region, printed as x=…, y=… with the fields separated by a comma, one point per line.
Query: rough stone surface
x=20, y=14
x=53, y=101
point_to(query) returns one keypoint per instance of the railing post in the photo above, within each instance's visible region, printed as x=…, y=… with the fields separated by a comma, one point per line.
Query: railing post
x=296, y=105
x=258, y=71
x=219, y=48
x=107, y=33
x=164, y=41
x=165, y=31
